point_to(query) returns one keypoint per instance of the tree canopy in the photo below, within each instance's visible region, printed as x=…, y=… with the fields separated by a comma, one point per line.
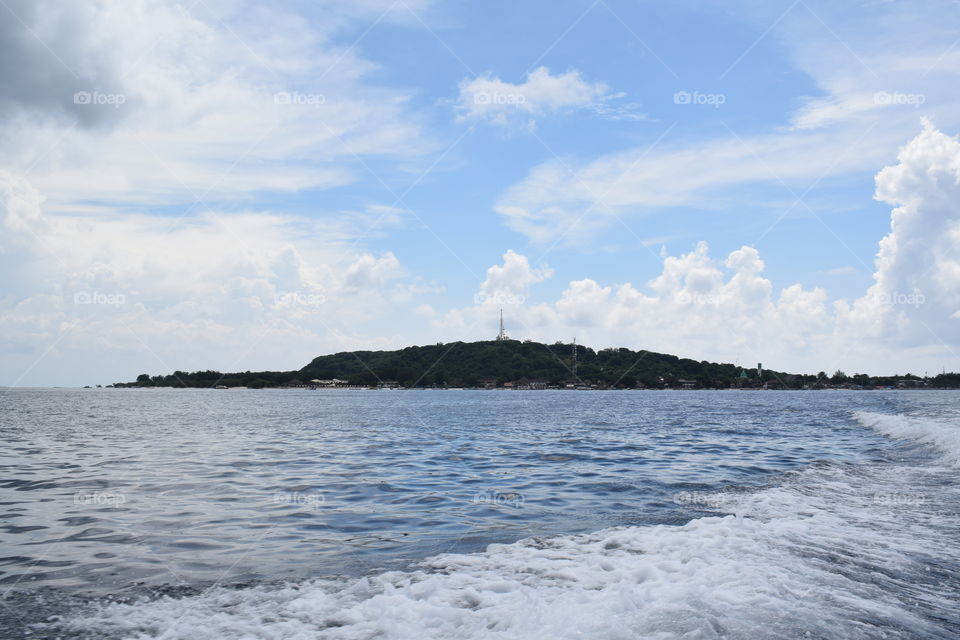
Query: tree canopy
x=467, y=364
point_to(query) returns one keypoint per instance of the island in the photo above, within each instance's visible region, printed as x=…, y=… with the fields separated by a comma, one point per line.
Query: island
x=527, y=365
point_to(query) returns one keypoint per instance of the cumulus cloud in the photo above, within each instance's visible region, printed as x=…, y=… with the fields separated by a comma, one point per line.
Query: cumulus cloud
x=489, y=98
x=727, y=310
x=206, y=291
x=508, y=284
x=210, y=113
x=368, y=272
x=697, y=306
x=916, y=290
x=127, y=126
x=275, y=286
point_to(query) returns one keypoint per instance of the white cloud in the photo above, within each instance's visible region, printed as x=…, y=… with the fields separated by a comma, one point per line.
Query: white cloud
x=370, y=272
x=208, y=110
x=203, y=289
x=727, y=310
x=569, y=203
x=509, y=284
x=697, y=307
x=872, y=84
x=916, y=290
x=212, y=288
x=208, y=291
x=816, y=113
x=489, y=98
x=562, y=201
x=128, y=117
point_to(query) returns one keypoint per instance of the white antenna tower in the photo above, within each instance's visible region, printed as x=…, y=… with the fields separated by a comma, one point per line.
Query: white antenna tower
x=503, y=334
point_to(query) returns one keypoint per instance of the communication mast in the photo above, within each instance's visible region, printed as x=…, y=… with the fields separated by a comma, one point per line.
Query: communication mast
x=503, y=334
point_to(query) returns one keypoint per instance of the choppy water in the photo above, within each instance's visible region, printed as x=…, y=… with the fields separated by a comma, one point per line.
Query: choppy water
x=477, y=514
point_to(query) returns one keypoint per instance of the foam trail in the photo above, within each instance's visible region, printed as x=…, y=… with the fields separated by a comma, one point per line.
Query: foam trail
x=942, y=436
x=818, y=557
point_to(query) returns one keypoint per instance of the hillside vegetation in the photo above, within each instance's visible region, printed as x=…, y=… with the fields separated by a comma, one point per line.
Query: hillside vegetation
x=470, y=364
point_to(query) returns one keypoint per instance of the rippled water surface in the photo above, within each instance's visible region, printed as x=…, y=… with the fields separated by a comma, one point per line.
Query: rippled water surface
x=110, y=494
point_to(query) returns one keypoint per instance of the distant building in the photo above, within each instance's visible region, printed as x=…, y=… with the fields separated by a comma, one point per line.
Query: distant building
x=325, y=384
x=743, y=380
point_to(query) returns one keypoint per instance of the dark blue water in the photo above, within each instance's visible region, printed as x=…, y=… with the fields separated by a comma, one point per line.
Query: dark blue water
x=109, y=495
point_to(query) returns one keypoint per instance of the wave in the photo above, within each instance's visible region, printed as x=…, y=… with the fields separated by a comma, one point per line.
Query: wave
x=818, y=556
x=942, y=436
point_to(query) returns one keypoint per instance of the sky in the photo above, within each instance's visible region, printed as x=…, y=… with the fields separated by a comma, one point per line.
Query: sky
x=237, y=185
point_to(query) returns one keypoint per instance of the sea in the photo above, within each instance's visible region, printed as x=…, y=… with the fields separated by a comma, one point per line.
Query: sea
x=195, y=514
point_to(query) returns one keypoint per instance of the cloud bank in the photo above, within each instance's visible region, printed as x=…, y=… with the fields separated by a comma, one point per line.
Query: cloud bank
x=727, y=310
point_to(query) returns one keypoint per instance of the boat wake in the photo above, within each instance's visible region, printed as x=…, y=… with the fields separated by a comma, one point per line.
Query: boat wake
x=832, y=551
x=942, y=436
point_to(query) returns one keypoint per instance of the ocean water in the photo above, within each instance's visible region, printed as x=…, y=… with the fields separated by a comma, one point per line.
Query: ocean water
x=289, y=515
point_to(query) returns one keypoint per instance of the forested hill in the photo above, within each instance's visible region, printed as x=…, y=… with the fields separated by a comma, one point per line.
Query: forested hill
x=468, y=364
x=472, y=363
x=495, y=363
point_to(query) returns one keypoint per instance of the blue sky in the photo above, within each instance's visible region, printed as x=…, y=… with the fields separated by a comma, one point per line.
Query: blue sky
x=711, y=50
x=244, y=185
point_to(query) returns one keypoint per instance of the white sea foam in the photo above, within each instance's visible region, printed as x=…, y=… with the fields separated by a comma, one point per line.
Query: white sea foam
x=816, y=557
x=941, y=435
